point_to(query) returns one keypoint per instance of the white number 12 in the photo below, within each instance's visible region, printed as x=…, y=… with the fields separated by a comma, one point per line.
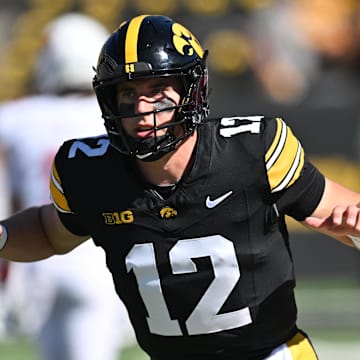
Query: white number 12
x=204, y=318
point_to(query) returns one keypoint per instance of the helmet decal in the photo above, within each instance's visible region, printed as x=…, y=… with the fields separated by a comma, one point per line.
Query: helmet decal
x=129, y=68
x=185, y=42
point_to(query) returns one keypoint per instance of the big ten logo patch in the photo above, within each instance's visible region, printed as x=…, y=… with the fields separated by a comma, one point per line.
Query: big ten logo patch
x=118, y=217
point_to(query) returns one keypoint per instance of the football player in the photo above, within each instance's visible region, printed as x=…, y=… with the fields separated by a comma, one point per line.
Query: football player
x=189, y=210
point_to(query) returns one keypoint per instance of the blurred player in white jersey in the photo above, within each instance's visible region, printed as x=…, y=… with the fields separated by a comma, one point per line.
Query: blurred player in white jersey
x=69, y=302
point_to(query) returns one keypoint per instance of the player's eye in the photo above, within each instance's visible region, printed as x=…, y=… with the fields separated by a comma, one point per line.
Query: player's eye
x=126, y=93
x=157, y=91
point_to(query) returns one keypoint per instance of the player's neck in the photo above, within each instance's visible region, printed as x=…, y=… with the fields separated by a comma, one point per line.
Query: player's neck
x=170, y=168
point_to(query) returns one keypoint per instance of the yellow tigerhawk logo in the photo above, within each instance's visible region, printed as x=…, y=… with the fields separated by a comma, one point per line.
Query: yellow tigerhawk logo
x=168, y=213
x=118, y=217
x=185, y=42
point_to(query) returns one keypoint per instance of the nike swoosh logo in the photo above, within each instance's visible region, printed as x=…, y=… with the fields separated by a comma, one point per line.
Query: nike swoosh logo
x=215, y=202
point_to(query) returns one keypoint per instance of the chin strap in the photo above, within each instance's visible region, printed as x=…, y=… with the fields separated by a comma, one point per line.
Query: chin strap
x=162, y=143
x=152, y=156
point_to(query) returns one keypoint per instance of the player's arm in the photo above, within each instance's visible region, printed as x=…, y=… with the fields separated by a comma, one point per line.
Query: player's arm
x=36, y=233
x=334, y=210
x=337, y=214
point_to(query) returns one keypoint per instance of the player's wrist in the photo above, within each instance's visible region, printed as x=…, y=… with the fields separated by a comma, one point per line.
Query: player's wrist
x=3, y=237
x=355, y=240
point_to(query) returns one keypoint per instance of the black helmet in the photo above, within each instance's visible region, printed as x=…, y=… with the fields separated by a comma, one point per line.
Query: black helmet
x=144, y=47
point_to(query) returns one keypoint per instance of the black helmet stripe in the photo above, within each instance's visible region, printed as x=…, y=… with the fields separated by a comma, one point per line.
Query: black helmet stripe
x=131, y=40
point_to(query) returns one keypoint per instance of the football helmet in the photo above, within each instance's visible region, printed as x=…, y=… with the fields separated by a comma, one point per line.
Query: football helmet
x=71, y=49
x=150, y=46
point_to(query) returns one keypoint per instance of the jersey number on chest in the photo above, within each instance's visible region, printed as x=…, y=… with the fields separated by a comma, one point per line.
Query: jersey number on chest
x=205, y=317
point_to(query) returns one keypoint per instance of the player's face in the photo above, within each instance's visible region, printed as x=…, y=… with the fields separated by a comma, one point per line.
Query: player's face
x=140, y=98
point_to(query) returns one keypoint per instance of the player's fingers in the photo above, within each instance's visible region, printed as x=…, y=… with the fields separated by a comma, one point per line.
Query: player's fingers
x=338, y=214
x=351, y=216
x=315, y=222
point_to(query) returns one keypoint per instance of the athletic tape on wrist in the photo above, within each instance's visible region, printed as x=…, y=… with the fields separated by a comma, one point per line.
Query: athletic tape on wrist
x=355, y=240
x=3, y=237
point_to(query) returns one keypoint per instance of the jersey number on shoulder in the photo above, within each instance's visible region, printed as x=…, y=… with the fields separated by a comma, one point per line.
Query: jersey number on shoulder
x=99, y=150
x=205, y=317
x=231, y=126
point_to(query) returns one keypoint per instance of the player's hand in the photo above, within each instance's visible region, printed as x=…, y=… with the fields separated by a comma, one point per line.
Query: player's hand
x=343, y=220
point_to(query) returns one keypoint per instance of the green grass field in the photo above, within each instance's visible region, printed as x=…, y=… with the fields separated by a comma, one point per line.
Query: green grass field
x=330, y=345
x=329, y=311
x=23, y=350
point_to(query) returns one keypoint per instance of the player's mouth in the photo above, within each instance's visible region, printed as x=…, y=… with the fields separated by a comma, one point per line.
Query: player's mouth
x=144, y=132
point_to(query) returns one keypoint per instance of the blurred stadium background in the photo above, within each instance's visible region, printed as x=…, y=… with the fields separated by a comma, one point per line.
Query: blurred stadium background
x=294, y=58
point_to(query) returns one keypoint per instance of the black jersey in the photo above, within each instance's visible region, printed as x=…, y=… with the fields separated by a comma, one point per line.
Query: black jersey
x=205, y=272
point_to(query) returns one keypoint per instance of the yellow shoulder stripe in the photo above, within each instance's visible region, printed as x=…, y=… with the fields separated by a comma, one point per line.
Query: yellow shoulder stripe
x=57, y=194
x=300, y=348
x=275, y=141
x=284, y=158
